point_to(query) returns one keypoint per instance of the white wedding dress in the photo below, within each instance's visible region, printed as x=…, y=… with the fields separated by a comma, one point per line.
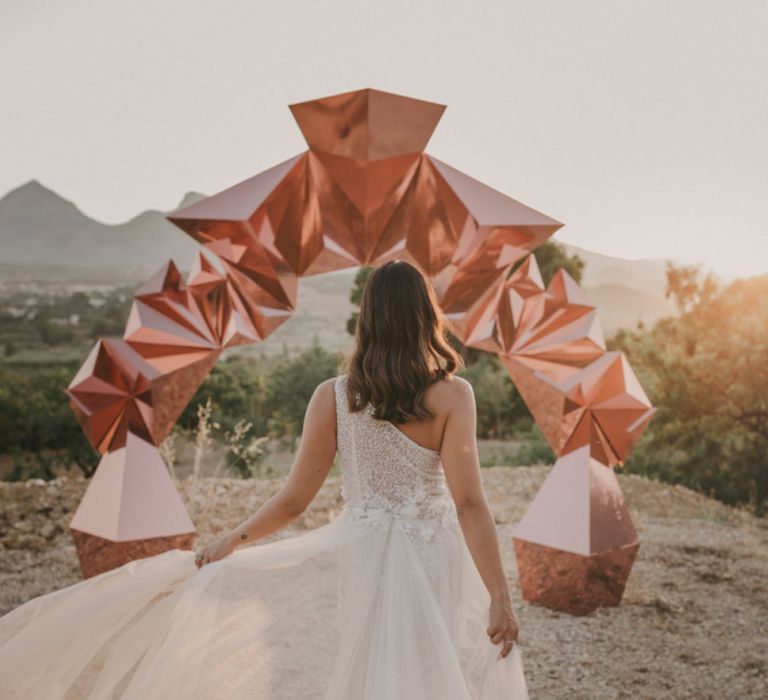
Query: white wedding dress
x=383, y=603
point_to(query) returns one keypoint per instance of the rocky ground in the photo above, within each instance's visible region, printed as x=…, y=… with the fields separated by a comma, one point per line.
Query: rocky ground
x=692, y=623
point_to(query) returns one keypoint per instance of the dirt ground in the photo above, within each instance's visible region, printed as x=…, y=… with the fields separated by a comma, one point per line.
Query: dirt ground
x=692, y=623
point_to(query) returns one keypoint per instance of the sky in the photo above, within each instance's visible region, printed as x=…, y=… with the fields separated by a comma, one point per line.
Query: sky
x=640, y=124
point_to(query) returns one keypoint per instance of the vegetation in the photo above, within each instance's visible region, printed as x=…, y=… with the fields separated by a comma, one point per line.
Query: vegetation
x=34, y=324
x=36, y=421
x=269, y=395
x=706, y=372
x=552, y=257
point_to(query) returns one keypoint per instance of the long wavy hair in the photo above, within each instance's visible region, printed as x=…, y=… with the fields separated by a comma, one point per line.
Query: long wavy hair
x=400, y=345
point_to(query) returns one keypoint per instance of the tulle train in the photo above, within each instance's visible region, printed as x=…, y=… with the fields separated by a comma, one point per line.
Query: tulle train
x=347, y=611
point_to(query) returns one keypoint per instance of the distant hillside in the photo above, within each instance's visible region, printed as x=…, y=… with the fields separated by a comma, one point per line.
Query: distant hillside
x=46, y=239
x=37, y=226
x=622, y=307
x=625, y=291
x=647, y=274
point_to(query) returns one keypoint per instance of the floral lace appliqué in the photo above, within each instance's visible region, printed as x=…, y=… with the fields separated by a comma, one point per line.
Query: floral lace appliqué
x=387, y=476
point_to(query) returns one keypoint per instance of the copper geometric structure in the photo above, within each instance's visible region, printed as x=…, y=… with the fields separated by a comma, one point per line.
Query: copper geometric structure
x=576, y=542
x=601, y=405
x=365, y=192
x=555, y=331
x=131, y=509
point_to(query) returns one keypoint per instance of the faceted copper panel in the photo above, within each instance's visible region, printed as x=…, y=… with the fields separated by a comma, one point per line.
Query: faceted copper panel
x=576, y=541
x=172, y=324
x=467, y=236
x=579, y=508
x=130, y=498
x=554, y=331
x=117, y=392
x=97, y=555
x=267, y=231
x=231, y=318
x=601, y=405
x=365, y=192
x=573, y=583
x=165, y=324
x=367, y=124
x=112, y=393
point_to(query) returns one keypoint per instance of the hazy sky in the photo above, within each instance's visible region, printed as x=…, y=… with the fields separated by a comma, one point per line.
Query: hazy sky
x=641, y=124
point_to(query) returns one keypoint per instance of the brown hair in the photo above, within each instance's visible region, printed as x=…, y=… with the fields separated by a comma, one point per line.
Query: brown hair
x=400, y=345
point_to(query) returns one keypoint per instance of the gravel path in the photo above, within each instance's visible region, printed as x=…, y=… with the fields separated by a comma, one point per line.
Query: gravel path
x=692, y=623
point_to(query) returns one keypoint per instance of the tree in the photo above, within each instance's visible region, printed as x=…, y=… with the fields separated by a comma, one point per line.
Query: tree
x=706, y=372
x=356, y=295
x=551, y=256
x=688, y=287
x=36, y=417
x=239, y=389
x=292, y=385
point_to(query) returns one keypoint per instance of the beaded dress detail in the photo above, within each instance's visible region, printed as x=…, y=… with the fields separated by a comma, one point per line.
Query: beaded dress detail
x=382, y=603
x=386, y=474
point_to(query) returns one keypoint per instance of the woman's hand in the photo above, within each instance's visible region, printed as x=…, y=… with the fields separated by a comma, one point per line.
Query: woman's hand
x=213, y=552
x=502, y=626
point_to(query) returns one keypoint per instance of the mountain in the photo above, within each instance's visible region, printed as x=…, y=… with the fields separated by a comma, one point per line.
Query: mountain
x=625, y=291
x=39, y=227
x=47, y=239
x=620, y=306
x=646, y=274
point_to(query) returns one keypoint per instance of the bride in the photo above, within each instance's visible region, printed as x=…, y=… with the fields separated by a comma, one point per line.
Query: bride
x=401, y=597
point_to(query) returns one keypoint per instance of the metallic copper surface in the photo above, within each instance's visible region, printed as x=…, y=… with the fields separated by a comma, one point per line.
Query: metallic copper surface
x=475, y=234
x=226, y=313
x=576, y=541
x=130, y=499
x=365, y=192
x=573, y=583
x=554, y=331
x=112, y=392
x=601, y=405
x=97, y=555
x=117, y=392
x=579, y=508
x=132, y=496
x=367, y=124
x=166, y=326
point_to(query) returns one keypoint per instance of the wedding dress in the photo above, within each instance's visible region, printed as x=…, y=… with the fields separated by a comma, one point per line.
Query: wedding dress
x=382, y=603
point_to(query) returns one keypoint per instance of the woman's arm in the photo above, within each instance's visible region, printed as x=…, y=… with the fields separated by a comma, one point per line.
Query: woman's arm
x=462, y=471
x=317, y=448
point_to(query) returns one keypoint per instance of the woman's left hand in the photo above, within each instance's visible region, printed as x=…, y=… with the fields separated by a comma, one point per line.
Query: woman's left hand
x=213, y=552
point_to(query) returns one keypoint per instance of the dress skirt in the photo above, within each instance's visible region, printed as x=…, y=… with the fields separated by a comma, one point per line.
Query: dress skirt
x=371, y=606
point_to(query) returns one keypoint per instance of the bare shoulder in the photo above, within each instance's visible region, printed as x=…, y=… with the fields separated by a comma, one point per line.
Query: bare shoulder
x=452, y=393
x=327, y=385
x=326, y=390
x=323, y=400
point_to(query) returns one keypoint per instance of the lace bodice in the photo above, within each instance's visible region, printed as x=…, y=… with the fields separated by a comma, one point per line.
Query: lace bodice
x=386, y=474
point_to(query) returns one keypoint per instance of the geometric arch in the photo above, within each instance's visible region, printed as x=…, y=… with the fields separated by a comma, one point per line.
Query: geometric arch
x=365, y=192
